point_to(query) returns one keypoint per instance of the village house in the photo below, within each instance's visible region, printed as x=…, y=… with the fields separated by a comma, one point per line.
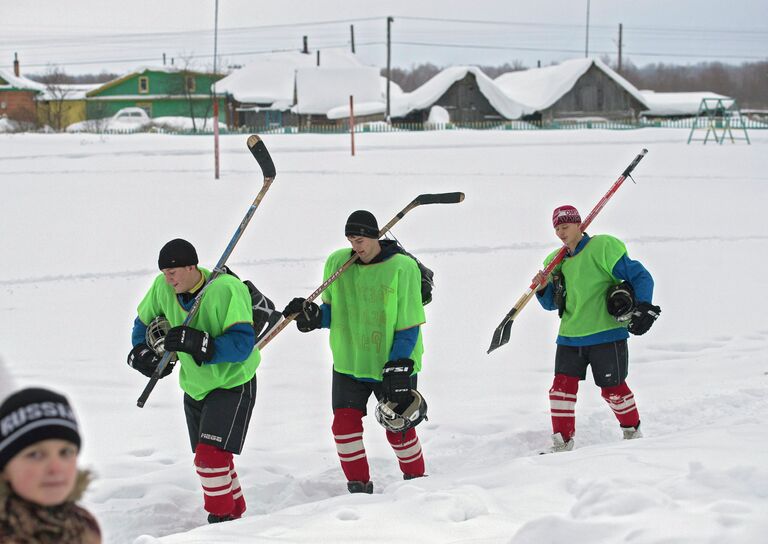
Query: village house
x=164, y=91
x=263, y=93
x=579, y=89
x=17, y=95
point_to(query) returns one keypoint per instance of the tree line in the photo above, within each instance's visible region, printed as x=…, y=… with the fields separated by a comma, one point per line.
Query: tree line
x=747, y=82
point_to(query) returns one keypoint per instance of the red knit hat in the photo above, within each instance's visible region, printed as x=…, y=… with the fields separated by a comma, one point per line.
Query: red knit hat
x=565, y=214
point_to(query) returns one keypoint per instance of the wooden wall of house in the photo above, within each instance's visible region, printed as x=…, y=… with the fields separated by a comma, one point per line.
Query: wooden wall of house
x=18, y=105
x=594, y=95
x=60, y=114
x=163, y=96
x=466, y=104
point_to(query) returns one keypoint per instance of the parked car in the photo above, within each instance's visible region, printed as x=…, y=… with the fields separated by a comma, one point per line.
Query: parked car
x=126, y=119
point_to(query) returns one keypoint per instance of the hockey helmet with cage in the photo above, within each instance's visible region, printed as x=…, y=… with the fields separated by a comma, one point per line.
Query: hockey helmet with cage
x=620, y=300
x=396, y=420
x=155, y=336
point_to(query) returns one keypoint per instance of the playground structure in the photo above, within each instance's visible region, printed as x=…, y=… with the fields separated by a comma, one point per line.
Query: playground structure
x=719, y=116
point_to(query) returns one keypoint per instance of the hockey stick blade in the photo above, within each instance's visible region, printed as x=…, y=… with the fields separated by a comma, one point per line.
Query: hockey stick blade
x=502, y=332
x=635, y=162
x=440, y=198
x=260, y=153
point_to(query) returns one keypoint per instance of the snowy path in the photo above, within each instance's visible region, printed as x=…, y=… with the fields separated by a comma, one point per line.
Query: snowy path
x=85, y=216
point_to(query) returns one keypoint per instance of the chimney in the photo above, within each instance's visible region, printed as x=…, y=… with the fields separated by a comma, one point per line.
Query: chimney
x=16, y=70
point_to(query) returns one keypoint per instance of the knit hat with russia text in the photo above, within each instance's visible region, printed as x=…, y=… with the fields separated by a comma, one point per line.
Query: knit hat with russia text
x=565, y=214
x=32, y=415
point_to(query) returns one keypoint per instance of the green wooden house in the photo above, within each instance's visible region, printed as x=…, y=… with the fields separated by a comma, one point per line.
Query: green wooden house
x=164, y=91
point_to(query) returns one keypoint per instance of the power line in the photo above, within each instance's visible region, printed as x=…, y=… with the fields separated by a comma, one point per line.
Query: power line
x=549, y=35
x=553, y=50
x=579, y=26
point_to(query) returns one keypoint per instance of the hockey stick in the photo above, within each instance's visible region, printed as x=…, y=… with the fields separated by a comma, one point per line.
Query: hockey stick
x=438, y=198
x=501, y=334
x=260, y=153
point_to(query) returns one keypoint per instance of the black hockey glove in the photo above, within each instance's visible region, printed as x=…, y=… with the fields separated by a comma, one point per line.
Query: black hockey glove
x=643, y=317
x=143, y=359
x=197, y=343
x=309, y=316
x=396, y=381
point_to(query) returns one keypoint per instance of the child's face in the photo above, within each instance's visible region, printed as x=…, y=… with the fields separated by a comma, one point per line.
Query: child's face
x=43, y=473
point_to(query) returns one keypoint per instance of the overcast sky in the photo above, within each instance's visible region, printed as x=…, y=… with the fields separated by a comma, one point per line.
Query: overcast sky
x=85, y=36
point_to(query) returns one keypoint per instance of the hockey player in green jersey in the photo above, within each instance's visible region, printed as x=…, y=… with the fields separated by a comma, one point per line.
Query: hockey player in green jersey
x=601, y=296
x=374, y=312
x=218, y=366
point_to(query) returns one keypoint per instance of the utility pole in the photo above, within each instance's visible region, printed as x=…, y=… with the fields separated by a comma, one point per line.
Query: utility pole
x=586, y=45
x=352, y=37
x=620, y=32
x=389, y=62
x=215, y=99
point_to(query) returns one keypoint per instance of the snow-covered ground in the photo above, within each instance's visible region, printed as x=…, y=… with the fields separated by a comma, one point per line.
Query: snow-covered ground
x=83, y=216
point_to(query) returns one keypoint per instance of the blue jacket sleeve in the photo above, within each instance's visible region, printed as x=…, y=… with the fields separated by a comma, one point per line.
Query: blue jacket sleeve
x=403, y=343
x=635, y=273
x=325, y=310
x=547, y=297
x=235, y=345
x=139, y=334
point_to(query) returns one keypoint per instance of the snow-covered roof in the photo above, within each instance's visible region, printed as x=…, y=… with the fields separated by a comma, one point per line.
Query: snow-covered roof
x=667, y=104
x=375, y=107
x=67, y=91
x=270, y=77
x=18, y=82
x=539, y=88
x=319, y=89
x=426, y=95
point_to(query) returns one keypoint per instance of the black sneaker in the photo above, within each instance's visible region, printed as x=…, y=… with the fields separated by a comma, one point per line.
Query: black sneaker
x=412, y=476
x=213, y=518
x=360, y=487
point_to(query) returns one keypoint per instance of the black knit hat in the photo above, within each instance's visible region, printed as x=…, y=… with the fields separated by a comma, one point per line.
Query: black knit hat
x=177, y=253
x=33, y=415
x=362, y=223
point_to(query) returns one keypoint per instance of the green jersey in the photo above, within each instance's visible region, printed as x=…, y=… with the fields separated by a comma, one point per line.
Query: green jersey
x=226, y=302
x=369, y=303
x=588, y=275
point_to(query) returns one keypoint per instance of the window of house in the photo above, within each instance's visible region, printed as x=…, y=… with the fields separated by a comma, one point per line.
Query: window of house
x=190, y=82
x=143, y=85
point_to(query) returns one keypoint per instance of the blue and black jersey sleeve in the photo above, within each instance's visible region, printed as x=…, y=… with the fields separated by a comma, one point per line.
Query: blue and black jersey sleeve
x=636, y=274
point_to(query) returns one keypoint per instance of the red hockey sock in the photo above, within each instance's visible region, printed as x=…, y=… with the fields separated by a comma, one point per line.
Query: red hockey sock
x=237, y=492
x=622, y=401
x=408, y=451
x=562, y=403
x=348, y=434
x=213, y=468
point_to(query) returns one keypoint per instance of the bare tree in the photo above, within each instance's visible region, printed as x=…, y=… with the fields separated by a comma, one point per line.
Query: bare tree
x=53, y=102
x=747, y=83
